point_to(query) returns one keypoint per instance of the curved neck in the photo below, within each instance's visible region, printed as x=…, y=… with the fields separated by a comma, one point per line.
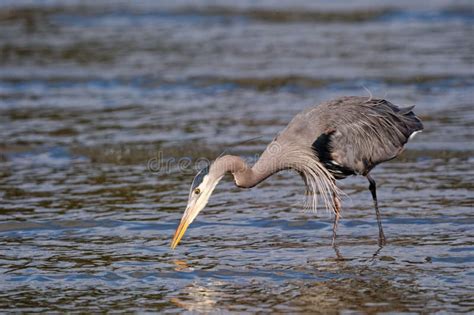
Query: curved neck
x=244, y=175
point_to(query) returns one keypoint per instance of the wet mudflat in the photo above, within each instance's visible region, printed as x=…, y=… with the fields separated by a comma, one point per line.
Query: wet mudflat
x=93, y=94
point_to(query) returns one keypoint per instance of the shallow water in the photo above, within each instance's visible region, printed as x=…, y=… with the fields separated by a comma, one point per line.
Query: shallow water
x=93, y=93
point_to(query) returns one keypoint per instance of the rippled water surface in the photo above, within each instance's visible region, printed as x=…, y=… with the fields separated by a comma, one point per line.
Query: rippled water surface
x=93, y=93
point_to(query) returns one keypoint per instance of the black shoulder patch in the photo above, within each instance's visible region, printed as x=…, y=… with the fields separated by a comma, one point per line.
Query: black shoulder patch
x=322, y=148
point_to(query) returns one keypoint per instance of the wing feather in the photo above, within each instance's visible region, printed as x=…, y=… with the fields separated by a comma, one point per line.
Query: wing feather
x=368, y=132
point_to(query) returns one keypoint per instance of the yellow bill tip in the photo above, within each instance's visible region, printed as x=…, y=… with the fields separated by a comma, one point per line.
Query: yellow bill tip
x=179, y=234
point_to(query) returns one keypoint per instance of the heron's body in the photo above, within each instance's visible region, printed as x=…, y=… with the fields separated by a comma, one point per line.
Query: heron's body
x=333, y=140
x=351, y=135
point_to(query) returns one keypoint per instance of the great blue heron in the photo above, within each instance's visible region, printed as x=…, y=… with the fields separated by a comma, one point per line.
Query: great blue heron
x=338, y=138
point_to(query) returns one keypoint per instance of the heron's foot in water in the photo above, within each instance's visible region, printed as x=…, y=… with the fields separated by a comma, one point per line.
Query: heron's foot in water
x=382, y=240
x=334, y=229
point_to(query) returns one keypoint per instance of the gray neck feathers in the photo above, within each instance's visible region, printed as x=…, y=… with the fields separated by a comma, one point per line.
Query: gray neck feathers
x=244, y=175
x=276, y=158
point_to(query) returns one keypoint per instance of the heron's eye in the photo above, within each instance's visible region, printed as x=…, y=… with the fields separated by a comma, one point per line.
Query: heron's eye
x=197, y=191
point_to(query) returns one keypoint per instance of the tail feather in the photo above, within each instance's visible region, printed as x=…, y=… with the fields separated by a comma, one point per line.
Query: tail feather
x=406, y=110
x=412, y=122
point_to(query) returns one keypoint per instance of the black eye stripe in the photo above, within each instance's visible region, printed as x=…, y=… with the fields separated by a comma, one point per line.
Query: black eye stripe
x=199, y=178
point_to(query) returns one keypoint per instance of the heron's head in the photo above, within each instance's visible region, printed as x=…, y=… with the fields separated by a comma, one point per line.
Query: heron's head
x=201, y=189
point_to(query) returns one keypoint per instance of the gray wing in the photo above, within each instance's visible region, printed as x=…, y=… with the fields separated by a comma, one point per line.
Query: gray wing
x=350, y=135
x=362, y=133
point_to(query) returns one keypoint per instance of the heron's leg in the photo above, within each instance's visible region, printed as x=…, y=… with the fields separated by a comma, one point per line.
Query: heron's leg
x=373, y=190
x=337, y=216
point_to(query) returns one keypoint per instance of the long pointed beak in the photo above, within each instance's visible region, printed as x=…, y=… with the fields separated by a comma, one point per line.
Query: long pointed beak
x=183, y=225
x=193, y=208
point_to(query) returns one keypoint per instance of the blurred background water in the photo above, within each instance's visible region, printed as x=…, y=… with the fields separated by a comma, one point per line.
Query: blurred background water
x=91, y=91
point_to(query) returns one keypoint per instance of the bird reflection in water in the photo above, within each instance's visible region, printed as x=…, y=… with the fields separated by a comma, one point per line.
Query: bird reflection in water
x=194, y=297
x=198, y=298
x=182, y=266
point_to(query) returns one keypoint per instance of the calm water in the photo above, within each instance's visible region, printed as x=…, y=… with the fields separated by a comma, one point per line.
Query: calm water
x=91, y=92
